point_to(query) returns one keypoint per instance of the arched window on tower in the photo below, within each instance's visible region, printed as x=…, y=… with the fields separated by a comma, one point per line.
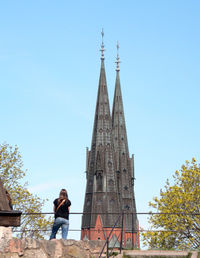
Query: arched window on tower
x=99, y=176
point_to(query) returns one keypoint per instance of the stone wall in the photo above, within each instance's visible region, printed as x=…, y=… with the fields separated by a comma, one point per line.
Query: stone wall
x=160, y=254
x=31, y=248
x=5, y=236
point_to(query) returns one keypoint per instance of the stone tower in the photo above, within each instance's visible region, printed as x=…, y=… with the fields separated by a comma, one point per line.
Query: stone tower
x=109, y=172
x=124, y=165
x=101, y=198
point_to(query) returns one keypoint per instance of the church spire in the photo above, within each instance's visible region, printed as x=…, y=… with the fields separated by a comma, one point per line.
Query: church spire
x=102, y=46
x=109, y=170
x=118, y=118
x=124, y=164
x=101, y=190
x=117, y=59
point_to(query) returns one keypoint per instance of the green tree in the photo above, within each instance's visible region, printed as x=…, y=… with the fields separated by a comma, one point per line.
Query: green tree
x=12, y=175
x=181, y=230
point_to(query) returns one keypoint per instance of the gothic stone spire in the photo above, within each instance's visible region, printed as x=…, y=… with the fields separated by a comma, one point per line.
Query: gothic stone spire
x=124, y=163
x=101, y=190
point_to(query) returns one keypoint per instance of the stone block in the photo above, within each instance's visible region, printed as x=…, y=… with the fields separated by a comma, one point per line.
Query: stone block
x=5, y=237
x=53, y=248
x=35, y=253
x=31, y=243
x=15, y=246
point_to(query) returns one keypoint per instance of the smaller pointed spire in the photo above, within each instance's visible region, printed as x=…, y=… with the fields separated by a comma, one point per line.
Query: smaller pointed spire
x=102, y=46
x=117, y=59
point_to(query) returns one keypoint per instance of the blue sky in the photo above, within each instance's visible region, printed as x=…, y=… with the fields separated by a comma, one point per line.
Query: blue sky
x=49, y=71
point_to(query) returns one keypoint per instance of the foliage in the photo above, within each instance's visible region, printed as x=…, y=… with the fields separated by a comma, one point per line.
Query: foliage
x=180, y=228
x=11, y=174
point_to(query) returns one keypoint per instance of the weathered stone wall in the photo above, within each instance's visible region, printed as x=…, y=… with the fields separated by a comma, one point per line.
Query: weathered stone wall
x=160, y=254
x=5, y=236
x=31, y=248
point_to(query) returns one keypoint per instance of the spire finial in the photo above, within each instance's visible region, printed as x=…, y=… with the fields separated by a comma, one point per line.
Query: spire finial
x=102, y=34
x=102, y=46
x=117, y=59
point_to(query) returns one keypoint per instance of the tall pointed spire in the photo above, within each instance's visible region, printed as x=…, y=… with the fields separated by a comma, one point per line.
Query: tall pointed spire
x=117, y=59
x=101, y=190
x=102, y=45
x=109, y=170
x=124, y=164
x=118, y=118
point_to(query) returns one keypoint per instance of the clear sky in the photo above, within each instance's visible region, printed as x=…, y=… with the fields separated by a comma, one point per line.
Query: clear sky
x=49, y=72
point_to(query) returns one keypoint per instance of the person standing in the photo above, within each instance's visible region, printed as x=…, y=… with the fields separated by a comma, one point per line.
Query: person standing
x=61, y=211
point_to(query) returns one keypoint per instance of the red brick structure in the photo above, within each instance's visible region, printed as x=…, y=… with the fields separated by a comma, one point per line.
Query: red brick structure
x=109, y=172
x=99, y=233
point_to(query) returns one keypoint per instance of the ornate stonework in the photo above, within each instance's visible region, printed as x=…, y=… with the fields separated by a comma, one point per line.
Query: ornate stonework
x=109, y=171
